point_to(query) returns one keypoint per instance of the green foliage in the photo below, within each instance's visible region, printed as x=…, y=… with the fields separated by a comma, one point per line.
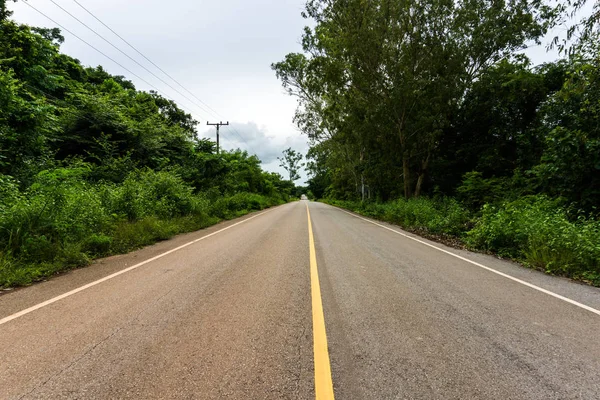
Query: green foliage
x=380, y=81
x=497, y=130
x=570, y=164
x=505, y=229
x=404, y=98
x=291, y=162
x=9, y=192
x=241, y=203
x=468, y=117
x=90, y=166
x=443, y=216
x=129, y=235
x=533, y=229
x=62, y=221
x=476, y=191
x=161, y=194
x=25, y=123
x=538, y=231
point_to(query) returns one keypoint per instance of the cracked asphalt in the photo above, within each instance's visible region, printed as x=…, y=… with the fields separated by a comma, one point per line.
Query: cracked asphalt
x=230, y=317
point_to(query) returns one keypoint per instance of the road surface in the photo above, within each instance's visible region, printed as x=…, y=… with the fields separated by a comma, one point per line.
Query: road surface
x=256, y=309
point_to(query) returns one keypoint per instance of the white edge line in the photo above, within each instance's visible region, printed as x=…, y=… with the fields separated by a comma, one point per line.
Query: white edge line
x=94, y=283
x=558, y=296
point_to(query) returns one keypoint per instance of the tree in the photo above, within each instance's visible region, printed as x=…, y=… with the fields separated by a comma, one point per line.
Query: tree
x=291, y=162
x=586, y=31
x=381, y=78
x=25, y=124
x=4, y=12
x=570, y=163
x=497, y=129
x=82, y=151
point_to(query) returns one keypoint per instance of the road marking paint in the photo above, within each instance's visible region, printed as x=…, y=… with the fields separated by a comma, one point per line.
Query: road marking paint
x=522, y=282
x=323, y=381
x=89, y=285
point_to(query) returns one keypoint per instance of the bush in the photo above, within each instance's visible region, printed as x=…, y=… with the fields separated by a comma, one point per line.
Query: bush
x=241, y=203
x=62, y=221
x=437, y=216
x=537, y=230
x=13, y=273
x=9, y=192
x=97, y=244
x=533, y=229
x=148, y=193
x=57, y=208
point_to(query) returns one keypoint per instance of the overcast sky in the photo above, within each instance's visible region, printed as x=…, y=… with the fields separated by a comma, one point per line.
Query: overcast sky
x=220, y=50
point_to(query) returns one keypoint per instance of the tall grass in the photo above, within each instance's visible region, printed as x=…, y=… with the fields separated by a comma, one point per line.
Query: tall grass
x=539, y=232
x=443, y=216
x=63, y=222
x=534, y=230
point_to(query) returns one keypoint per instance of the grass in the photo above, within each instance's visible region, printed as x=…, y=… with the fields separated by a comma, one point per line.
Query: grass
x=61, y=224
x=538, y=231
x=534, y=230
x=127, y=236
x=443, y=216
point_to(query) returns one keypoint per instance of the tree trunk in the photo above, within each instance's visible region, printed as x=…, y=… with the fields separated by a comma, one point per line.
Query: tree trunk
x=362, y=187
x=422, y=174
x=406, y=176
x=420, y=180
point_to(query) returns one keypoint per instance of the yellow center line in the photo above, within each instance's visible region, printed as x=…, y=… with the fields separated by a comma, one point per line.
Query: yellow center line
x=323, y=382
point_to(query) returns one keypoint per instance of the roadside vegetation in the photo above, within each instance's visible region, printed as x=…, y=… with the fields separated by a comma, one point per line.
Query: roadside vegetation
x=534, y=230
x=90, y=166
x=428, y=115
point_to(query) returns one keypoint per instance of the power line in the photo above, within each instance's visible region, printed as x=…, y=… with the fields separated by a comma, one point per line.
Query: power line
x=214, y=113
x=147, y=59
x=128, y=56
x=105, y=55
x=243, y=140
x=128, y=70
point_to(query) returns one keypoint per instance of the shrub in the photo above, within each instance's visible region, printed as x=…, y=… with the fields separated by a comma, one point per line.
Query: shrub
x=533, y=229
x=241, y=203
x=9, y=192
x=55, y=209
x=506, y=229
x=537, y=230
x=97, y=244
x=436, y=216
x=62, y=220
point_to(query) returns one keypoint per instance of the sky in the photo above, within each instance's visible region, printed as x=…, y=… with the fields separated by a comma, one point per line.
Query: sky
x=219, y=50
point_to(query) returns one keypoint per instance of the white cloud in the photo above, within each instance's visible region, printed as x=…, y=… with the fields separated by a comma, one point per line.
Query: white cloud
x=219, y=50
x=258, y=140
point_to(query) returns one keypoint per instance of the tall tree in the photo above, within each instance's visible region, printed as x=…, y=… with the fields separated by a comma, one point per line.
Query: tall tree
x=4, y=12
x=386, y=75
x=291, y=162
x=570, y=163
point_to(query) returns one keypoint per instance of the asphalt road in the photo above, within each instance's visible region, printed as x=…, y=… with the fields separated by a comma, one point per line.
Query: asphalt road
x=232, y=312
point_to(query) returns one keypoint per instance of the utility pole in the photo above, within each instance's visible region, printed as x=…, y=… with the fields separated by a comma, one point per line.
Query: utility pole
x=218, y=125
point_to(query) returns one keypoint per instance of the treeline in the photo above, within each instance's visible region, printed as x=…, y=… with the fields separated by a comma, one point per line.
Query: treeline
x=404, y=100
x=90, y=166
